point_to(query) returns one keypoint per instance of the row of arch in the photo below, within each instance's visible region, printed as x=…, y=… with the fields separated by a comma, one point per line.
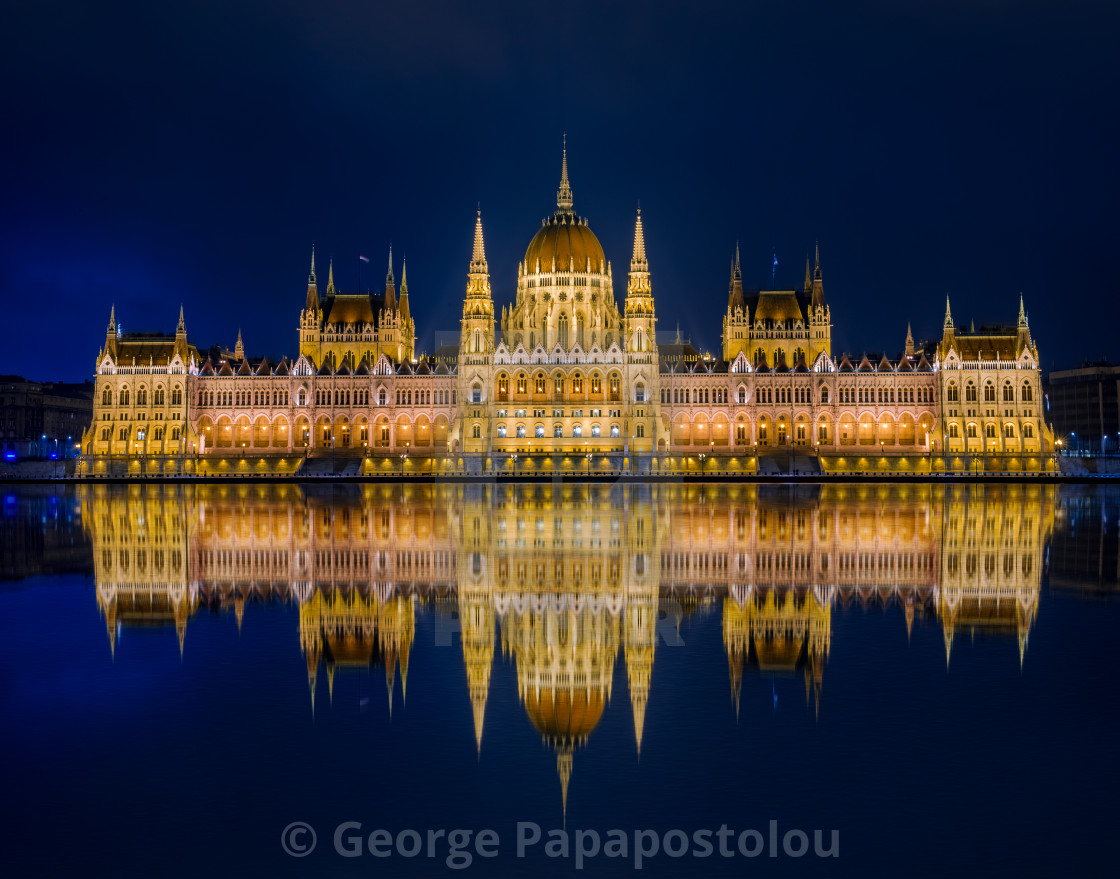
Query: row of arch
x=770, y=430
x=971, y=392
x=422, y=432
x=558, y=386
x=124, y=395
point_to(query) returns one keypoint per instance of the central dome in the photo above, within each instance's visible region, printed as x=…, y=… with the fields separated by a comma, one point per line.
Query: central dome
x=564, y=715
x=570, y=241
x=565, y=238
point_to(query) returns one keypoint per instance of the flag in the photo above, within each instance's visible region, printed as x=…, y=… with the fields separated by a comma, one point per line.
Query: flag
x=364, y=258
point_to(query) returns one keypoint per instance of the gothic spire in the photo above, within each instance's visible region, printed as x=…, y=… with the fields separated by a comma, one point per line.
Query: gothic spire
x=112, y=328
x=330, y=278
x=1022, y=314
x=311, y=277
x=239, y=348
x=390, y=283
x=478, y=257
x=405, y=313
x=638, y=262
x=735, y=289
x=948, y=315
x=817, y=270
x=181, y=329
x=909, y=341
x=564, y=193
x=808, y=275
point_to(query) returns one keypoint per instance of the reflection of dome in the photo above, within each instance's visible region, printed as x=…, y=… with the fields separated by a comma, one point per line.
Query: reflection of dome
x=569, y=240
x=565, y=715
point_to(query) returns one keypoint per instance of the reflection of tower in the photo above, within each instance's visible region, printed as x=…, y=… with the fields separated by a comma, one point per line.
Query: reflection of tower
x=476, y=608
x=992, y=560
x=779, y=632
x=349, y=630
x=140, y=543
x=642, y=593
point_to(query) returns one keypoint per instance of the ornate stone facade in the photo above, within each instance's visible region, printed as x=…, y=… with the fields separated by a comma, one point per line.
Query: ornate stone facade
x=564, y=379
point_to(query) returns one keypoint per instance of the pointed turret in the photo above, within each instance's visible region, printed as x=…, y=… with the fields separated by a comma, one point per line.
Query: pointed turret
x=735, y=286
x=818, y=283
x=112, y=328
x=390, y=284
x=564, y=193
x=330, y=278
x=406, y=315
x=1024, y=327
x=312, y=301
x=909, y=342
x=181, y=328
x=808, y=276
x=239, y=348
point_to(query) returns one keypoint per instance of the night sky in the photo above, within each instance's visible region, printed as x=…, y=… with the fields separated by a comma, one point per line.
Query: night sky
x=167, y=153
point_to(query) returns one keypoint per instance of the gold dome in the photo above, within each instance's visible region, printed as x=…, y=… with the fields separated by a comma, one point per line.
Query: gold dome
x=565, y=715
x=570, y=240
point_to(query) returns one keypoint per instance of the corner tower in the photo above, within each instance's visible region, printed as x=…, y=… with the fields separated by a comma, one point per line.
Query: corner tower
x=476, y=350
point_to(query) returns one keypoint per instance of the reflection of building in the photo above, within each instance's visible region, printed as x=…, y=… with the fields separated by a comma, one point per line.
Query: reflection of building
x=560, y=580
x=563, y=377
x=1085, y=547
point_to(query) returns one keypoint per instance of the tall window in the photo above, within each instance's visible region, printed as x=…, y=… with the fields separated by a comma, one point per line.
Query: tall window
x=970, y=393
x=1028, y=393
x=639, y=393
x=989, y=393
x=539, y=384
x=564, y=331
x=522, y=383
x=579, y=331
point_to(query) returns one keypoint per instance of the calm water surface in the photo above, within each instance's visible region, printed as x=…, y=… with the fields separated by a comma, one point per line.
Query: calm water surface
x=928, y=672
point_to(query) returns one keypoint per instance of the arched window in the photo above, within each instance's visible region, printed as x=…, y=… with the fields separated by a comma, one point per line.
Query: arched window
x=503, y=387
x=176, y=396
x=990, y=431
x=124, y=396
x=579, y=331
x=798, y=356
x=615, y=385
x=614, y=431
x=1028, y=430
x=759, y=357
x=989, y=392
x=557, y=431
x=596, y=384
x=301, y=397
x=970, y=393
x=476, y=395
x=381, y=397
x=501, y=431
x=540, y=431
x=577, y=431
x=742, y=394
x=522, y=383
x=1009, y=431
x=639, y=393
x=953, y=431
x=142, y=396
x=539, y=384
x=953, y=394
x=106, y=397
x=779, y=356
x=972, y=431
x=595, y=430
x=564, y=331
x=577, y=384
x=476, y=431
x=1008, y=393
x=1028, y=393
x=521, y=431
x=824, y=396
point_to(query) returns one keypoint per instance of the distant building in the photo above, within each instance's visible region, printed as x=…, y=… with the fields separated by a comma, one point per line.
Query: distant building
x=1085, y=406
x=43, y=419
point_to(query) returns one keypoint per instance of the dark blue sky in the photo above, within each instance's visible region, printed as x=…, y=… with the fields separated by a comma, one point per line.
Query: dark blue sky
x=159, y=154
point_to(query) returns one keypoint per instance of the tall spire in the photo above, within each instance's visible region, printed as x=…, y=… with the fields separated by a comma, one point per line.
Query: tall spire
x=311, y=277
x=817, y=270
x=112, y=328
x=312, y=301
x=330, y=278
x=909, y=341
x=1022, y=314
x=808, y=275
x=638, y=261
x=478, y=257
x=948, y=316
x=390, y=284
x=239, y=348
x=564, y=193
x=405, y=313
x=817, y=298
x=735, y=289
x=181, y=329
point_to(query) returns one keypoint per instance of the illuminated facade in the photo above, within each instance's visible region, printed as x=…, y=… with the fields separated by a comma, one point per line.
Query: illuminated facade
x=564, y=378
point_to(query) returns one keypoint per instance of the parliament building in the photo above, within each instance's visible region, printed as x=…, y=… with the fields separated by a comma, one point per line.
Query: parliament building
x=563, y=379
